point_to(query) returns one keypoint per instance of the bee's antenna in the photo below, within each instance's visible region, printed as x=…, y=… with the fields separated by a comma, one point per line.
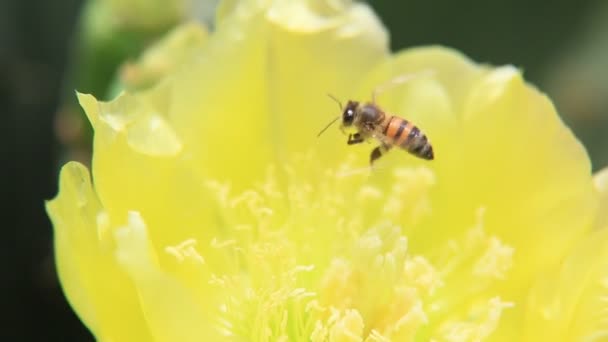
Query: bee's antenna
x=334, y=120
x=335, y=99
x=329, y=124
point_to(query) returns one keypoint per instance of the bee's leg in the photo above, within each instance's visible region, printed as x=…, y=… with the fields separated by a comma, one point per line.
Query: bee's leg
x=355, y=139
x=377, y=153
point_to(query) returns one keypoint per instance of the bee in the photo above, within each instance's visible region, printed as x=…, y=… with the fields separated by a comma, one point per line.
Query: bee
x=371, y=121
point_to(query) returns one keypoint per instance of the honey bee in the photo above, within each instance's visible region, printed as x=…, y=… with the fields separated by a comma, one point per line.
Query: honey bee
x=371, y=121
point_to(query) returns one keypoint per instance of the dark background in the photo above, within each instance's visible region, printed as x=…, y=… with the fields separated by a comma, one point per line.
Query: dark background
x=561, y=45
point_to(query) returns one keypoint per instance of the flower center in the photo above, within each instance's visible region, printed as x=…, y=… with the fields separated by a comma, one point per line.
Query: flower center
x=324, y=256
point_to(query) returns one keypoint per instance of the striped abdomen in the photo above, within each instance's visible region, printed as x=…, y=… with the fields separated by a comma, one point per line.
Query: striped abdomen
x=404, y=134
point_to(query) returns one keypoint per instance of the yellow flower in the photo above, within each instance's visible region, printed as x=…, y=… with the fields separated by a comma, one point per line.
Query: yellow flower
x=215, y=212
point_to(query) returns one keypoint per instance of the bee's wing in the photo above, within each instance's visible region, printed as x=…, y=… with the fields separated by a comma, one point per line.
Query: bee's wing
x=399, y=80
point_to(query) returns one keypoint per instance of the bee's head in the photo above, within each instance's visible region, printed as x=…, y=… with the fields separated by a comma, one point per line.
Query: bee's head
x=350, y=111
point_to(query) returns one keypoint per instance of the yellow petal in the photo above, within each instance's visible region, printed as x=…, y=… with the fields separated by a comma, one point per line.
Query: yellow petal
x=91, y=279
x=218, y=101
x=165, y=56
x=522, y=154
x=518, y=156
x=268, y=94
x=455, y=72
x=600, y=181
x=171, y=310
x=140, y=165
x=571, y=302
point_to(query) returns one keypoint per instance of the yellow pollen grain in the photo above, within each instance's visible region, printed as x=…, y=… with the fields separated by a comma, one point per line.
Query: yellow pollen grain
x=422, y=274
x=186, y=250
x=216, y=243
x=495, y=261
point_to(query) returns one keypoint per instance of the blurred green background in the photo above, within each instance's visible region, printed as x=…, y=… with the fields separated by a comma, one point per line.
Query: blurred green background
x=50, y=48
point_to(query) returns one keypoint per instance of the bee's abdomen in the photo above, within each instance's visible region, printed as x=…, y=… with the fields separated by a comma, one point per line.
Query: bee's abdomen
x=404, y=134
x=418, y=144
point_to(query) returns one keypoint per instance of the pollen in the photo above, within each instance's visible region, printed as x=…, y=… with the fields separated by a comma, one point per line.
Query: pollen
x=186, y=250
x=495, y=261
x=350, y=282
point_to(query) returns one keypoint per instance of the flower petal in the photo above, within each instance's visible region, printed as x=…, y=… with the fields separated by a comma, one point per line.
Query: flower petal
x=530, y=170
x=172, y=312
x=530, y=173
x=165, y=56
x=571, y=303
x=140, y=164
x=456, y=73
x=219, y=102
x=91, y=279
x=265, y=101
x=600, y=181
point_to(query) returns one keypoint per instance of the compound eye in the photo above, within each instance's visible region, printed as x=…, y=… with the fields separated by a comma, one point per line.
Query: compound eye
x=349, y=115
